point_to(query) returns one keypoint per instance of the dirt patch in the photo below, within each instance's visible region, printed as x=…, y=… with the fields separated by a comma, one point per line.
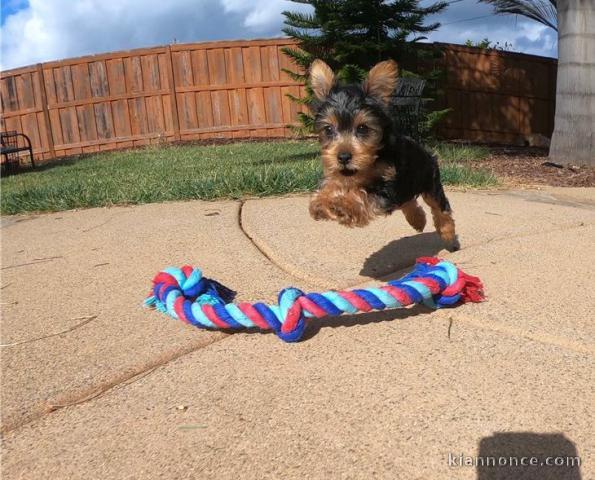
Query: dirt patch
x=531, y=166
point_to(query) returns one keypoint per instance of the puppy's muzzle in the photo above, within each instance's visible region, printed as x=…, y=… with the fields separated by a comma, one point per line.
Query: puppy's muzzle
x=344, y=158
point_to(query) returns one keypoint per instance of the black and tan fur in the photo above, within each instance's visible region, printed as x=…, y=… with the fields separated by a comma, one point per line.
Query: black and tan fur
x=369, y=168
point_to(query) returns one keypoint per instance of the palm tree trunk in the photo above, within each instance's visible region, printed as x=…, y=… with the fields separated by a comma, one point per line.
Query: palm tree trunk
x=573, y=141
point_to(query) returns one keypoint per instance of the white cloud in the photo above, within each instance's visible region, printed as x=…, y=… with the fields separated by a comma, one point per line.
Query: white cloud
x=527, y=37
x=261, y=14
x=468, y=20
x=54, y=29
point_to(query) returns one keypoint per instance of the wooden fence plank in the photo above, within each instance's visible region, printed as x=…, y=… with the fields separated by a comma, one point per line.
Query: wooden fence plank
x=151, y=77
x=172, y=98
x=200, y=67
x=69, y=124
x=100, y=88
x=272, y=58
x=155, y=117
x=116, y=76
x=290, y=108
x=134, y=75
x=64, y=87
x=56, y=127
x=163, y=65
x=121, y=117
x=25, y=92
x=86, y=122
x=10, y=100
x=217, y=71
x=82, y=81
x=13, y=123
x=238, y=106
x=81, y=77
x=256, y=109
x=234, y=64
x=30, y=128
x=99, y=82
x=138, y=116
x=273, y=105
x=183, y=72
x=252, y=66
x=103, y=120
x=117, y=81
x=265, y=67
x=285, y=63
x=204, y=110
x=220, y=106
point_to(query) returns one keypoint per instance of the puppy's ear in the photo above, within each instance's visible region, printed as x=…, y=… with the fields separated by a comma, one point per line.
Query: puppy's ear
x=322, y=79
x=382, y=80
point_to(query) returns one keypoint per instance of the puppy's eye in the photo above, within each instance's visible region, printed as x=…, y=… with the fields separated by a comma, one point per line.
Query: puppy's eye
x=328, y=131
x=362, y=129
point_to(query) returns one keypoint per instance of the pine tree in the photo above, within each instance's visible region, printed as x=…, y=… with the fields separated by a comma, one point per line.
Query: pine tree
x=353, y=35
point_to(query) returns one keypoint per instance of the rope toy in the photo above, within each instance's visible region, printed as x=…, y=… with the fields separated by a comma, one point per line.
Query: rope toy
x=184, y=294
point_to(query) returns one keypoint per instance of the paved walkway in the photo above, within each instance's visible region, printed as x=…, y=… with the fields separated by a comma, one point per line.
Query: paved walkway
x=96, y=387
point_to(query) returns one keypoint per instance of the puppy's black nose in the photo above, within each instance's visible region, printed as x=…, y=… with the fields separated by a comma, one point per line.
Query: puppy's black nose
x=344, y=158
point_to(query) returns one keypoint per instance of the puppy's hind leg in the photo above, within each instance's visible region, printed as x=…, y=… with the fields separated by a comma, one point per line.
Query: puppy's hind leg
x=414, y=214
x=442, y=215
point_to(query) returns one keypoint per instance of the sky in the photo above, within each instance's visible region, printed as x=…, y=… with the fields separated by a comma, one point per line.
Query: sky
x=35, y=31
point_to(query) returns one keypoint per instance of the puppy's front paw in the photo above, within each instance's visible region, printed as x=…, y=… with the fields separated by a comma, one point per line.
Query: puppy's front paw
x=350, y=211
x=319, y=210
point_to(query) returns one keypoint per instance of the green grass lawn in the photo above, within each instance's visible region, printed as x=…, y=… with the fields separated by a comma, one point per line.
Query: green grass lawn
x=180, y=172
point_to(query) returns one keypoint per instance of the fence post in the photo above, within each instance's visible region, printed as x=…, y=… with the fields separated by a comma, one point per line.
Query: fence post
x=173, y=97
x=46, y=112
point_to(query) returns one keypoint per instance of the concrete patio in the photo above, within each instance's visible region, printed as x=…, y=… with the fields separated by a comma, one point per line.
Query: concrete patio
x=94, y=386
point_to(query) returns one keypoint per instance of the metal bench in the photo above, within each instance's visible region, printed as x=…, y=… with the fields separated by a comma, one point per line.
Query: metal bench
x=11, y=148
x=407, y=105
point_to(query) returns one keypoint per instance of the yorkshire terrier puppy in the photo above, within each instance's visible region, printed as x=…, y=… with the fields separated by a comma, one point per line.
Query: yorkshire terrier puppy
x=369, y=168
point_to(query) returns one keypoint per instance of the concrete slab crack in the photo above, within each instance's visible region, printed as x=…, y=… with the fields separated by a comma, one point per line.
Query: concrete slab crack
x=99, y=225
x=85, y=320
x=277, y=262
x=543, y=338
x=35, y=261
x=73, y=398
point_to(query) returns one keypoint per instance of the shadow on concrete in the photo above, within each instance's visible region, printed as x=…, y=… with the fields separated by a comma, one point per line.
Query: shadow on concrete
x=544, y=448
x=400, y=254
x=315, y=325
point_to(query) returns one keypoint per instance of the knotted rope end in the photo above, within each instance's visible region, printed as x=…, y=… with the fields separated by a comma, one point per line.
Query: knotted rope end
x=472, y=291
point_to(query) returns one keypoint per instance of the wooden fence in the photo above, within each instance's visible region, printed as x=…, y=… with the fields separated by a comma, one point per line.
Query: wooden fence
x=237, y=89
x=176, y=92
x=498, y=97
